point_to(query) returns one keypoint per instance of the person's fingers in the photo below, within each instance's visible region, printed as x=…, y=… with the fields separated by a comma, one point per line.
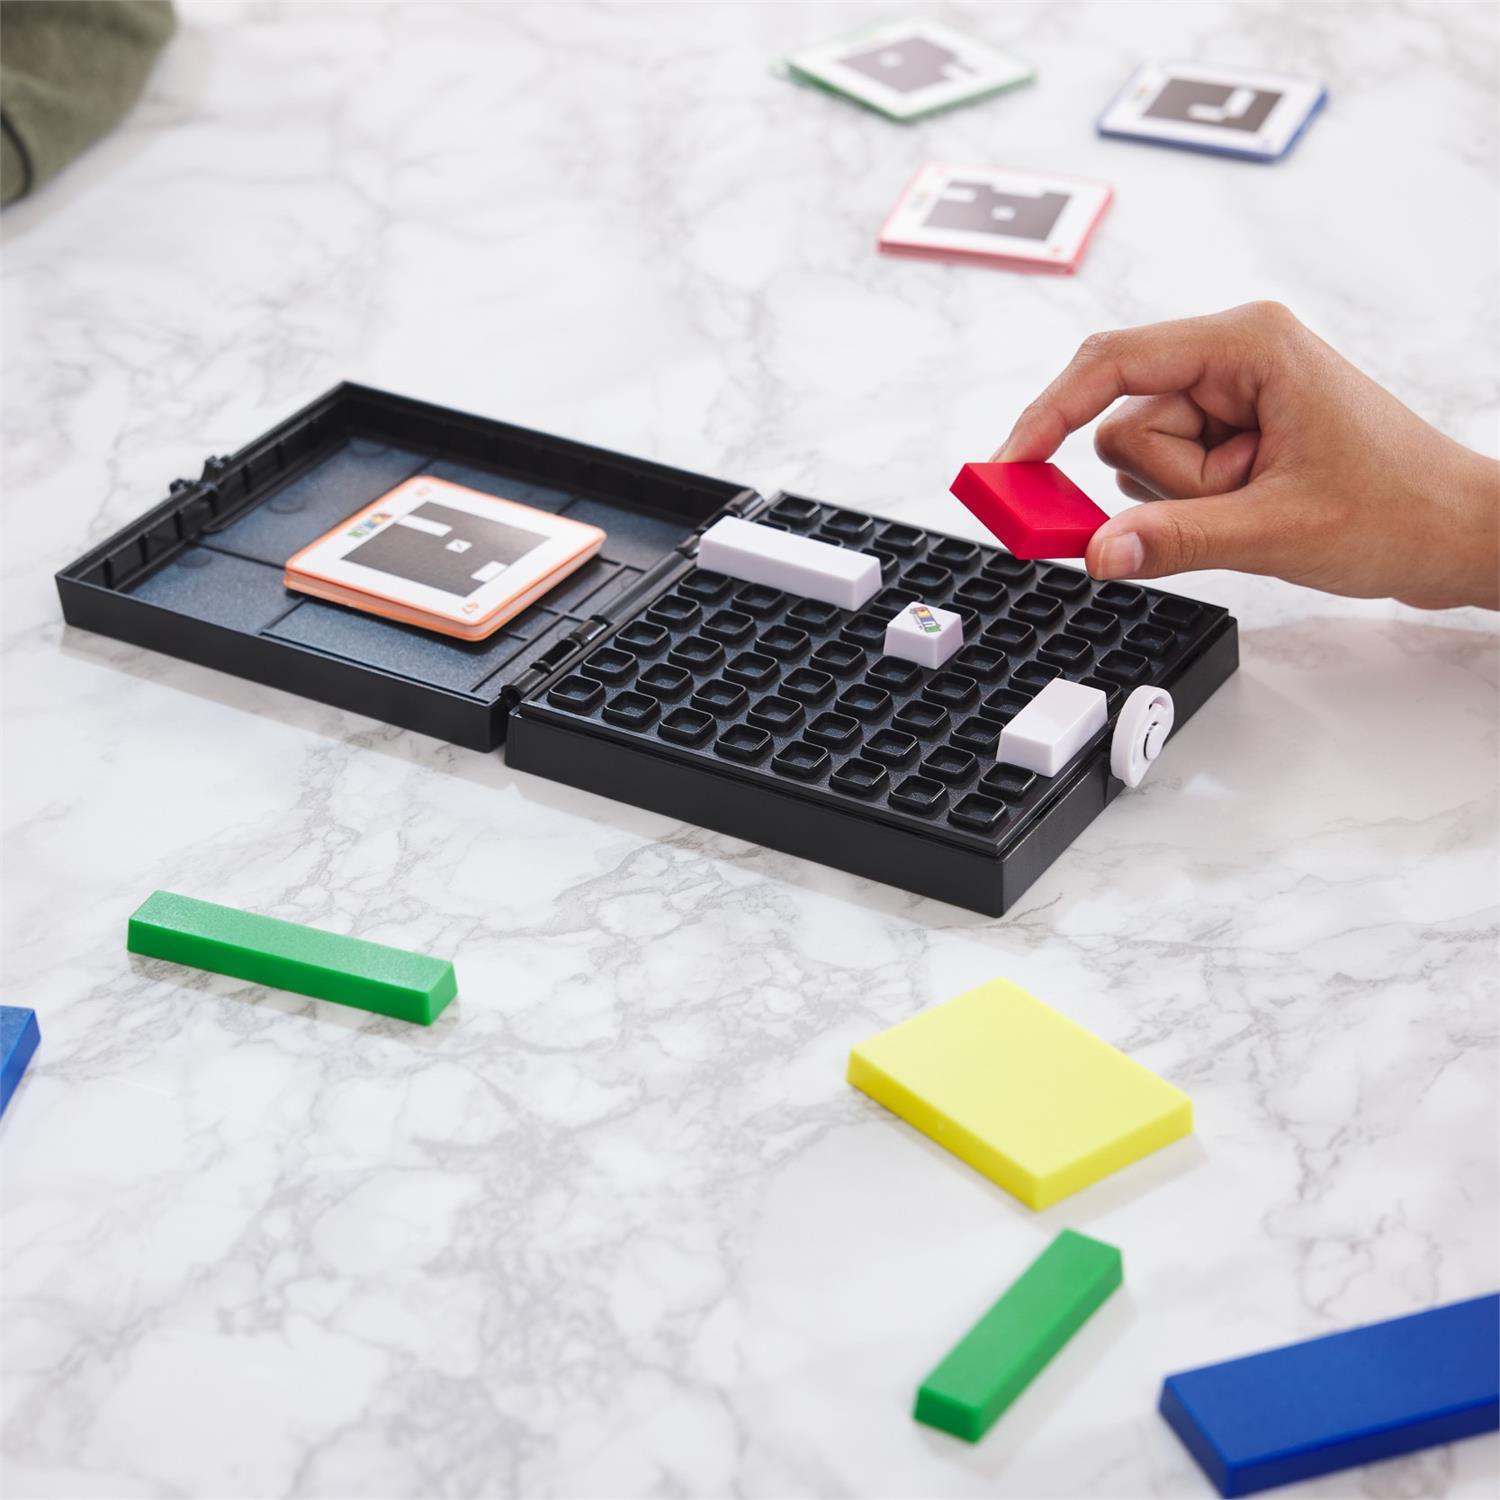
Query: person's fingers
x=1175, y=414
x=1134, y=489
x=1256, y=530
x=1127, y=362
x=1168, y=445
x=1150, y=361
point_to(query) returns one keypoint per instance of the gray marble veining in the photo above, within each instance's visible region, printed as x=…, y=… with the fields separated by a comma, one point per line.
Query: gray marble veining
x=616, y=1225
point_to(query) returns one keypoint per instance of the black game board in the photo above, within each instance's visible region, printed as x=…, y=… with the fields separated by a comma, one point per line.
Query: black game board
x=779, y=719
x=642, y=677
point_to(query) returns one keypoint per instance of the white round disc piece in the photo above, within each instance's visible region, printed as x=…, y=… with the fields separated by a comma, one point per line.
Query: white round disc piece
x=1145, y=722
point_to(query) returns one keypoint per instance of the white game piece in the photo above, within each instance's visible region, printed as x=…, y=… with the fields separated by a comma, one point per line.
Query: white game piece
x=1142, y=728
x=1053, y=727
x=783, y=560
x=924, y=634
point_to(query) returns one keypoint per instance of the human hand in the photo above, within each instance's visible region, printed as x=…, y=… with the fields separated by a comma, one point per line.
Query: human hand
x=1266, y=451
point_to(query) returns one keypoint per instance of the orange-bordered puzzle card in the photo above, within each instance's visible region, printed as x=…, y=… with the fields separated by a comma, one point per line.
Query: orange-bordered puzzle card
x=444, y=557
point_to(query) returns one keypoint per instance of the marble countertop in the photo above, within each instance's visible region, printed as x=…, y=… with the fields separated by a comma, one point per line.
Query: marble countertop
x=616, y=1225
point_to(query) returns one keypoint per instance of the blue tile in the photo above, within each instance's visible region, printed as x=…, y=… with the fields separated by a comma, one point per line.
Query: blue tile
x=19, y=1035
x=1341, y=1400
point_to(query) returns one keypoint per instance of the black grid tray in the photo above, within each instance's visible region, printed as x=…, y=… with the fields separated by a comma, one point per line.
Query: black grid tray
x=779, y=719
x=200, y=575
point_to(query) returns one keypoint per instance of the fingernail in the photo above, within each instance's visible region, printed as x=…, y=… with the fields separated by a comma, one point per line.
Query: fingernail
x=1120, y=556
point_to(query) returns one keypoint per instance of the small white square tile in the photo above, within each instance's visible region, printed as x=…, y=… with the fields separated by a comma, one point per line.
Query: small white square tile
x=924, y=634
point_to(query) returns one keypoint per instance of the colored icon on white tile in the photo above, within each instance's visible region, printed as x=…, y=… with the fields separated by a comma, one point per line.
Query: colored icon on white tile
x=924, y=634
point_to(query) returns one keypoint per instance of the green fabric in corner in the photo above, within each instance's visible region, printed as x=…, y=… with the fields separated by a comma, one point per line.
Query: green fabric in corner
x=69, y=70
x=288, y=956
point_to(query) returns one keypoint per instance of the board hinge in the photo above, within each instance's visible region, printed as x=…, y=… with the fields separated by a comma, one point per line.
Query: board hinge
x=561, y=653
x=205, y=487
x=665, y=571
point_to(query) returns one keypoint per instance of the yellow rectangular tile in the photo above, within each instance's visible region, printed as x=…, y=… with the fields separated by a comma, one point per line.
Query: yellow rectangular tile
x=1039, y=1105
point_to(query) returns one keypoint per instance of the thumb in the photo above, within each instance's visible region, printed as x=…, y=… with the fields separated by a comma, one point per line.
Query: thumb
x=1252, y=530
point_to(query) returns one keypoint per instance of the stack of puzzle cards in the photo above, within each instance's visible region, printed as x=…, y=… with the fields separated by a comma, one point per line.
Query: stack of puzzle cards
x=994, y=216
x=907, y=69
x=1240, y=112
x=444, y=557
